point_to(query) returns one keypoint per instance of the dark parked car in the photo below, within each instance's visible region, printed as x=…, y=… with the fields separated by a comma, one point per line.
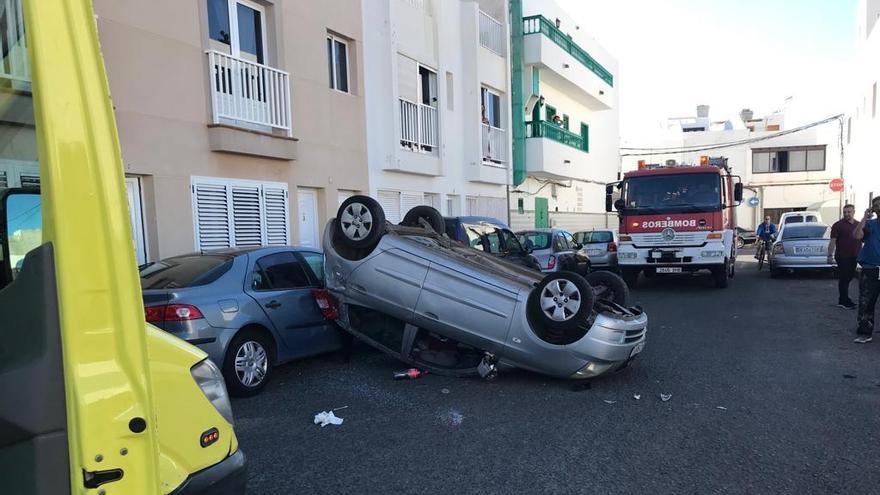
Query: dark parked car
x=744, y=237
x=248, y=308
x=491, y=236
x=556, y=250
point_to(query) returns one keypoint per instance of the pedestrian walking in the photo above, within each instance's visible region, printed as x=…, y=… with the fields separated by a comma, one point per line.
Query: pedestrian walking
x=844, y=249
x=868, y=230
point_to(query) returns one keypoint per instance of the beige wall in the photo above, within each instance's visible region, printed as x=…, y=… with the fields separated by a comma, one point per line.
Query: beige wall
x=157, y=68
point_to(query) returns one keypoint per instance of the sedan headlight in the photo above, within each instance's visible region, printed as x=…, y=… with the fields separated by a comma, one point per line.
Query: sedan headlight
x=210, y=380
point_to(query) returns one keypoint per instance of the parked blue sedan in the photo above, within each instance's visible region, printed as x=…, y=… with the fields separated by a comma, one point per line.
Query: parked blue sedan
x=248, y=308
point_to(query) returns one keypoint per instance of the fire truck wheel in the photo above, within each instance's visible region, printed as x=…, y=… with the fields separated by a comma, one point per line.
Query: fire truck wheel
x=630, y=276
x=720, y=274
x=559, y=308
x=609, y=286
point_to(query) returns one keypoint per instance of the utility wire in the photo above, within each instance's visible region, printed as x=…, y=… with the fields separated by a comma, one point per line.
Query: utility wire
x=664, y=151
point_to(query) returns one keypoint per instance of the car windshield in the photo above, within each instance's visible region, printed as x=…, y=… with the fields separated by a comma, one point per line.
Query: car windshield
x=674, y=192
x=535, y=240
x=806, y=232
x=596, y=236
x=184, y=271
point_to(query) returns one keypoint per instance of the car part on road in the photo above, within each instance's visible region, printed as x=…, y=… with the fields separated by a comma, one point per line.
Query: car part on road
x=410, y=374
x=428, y=214
x=248, y=365
x=609, y=286
x=487, y=367
x=665, y=397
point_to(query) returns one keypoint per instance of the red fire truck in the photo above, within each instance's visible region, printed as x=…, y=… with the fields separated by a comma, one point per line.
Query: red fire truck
x=677, y=218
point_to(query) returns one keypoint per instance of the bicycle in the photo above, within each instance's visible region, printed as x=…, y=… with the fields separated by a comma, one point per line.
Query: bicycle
x=763, y=249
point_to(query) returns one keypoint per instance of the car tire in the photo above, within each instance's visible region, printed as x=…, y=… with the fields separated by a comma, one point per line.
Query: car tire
x=609, y=286
x=630, y=276
x=740, y=242
x=429, y=214
x=721, y=274
x=560, y=306
x=247, y=382
x=360, y=222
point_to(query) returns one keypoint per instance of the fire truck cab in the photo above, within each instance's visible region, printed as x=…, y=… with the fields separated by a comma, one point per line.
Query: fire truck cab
x=677, y=218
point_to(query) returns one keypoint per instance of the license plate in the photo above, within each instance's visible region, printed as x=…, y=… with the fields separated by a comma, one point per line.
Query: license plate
x=669, y=269
x=637, y=349
x=808, y=250
x=594, y=252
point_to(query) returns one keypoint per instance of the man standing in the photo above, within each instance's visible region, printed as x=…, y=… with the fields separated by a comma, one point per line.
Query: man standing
x=844, y=248
x=869, y=281
x=765, y=234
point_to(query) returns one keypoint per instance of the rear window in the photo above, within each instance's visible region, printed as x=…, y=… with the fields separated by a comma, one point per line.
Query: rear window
x=535, y=240
x=806, y=232
x=595, y=236
x=184, y=271
x=797, y=219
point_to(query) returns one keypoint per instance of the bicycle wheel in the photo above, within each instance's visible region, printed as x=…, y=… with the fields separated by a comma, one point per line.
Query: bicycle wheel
x=761, y=252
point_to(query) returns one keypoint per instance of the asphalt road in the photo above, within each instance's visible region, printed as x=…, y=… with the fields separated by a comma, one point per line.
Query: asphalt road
x=769, y=395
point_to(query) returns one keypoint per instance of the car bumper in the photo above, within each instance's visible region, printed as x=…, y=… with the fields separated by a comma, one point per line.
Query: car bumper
x=201, y=334
x=610, y=344
x=606, y=261
x=815, y=262
x=227, y=477
x=695, y=257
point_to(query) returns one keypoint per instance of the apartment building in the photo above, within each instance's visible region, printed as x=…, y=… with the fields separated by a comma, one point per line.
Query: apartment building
x=862, y=171
x=781, y=171
x=568, y=147
x=437, y=105
x=241, y=121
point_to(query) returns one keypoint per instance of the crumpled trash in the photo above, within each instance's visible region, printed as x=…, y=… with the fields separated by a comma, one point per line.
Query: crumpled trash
x=721, y=407
x=637, y=396
x=665, y=397
x=325, y=418
x=610, y=401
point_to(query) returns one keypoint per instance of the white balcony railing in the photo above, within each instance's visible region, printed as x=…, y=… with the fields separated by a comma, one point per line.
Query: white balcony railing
x=491, y=34
x=494, y=145
x=249, y=92
x=418, y=127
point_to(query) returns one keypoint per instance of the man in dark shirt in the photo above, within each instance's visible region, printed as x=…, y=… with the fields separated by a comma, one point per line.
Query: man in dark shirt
x=844, y=248
x=868, y=230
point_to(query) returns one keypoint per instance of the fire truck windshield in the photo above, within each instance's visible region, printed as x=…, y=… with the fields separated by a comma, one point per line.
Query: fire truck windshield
x=672, y=193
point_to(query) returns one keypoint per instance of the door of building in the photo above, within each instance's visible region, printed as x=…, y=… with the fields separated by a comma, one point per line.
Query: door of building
x=542, y=213
x=136, y=214
x=307, y=200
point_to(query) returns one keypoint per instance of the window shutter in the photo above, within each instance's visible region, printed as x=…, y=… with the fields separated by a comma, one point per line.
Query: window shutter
x=275, y=199
x=407, y=78
x=246, y=215
x=4, y=179
x=410, y=200
x=390, y=202
x=29, y=179
x=211, y=207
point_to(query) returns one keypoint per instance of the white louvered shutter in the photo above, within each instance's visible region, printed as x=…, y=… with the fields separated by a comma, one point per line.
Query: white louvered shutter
x=246, y=218
x=212, y=213
x=409, y=201
x=275, y=201
x=29, y=179
x=407, y=78
x=390, y=202
x=4, y=179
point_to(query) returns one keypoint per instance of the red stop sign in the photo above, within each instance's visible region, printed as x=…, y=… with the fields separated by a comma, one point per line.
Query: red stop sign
x=836, y=185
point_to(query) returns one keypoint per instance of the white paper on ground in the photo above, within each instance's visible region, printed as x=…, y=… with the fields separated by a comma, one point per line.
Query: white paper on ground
x=325, y=418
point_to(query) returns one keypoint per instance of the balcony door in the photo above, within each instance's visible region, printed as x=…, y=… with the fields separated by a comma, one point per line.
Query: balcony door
x=238, y=27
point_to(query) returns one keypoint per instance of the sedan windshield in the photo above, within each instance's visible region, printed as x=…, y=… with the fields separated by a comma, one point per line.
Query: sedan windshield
x=674, y=192
x=806, y=232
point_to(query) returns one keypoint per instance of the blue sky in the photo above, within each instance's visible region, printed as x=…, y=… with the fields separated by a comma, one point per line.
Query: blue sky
x=729, y=54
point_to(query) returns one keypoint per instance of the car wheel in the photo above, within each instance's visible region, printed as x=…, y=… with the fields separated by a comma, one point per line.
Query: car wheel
x=721, y=274
x=427, y=213
x=559, y=308
x=248, y=364
x=609, y=286
x=360, y=222
x=630, y=276
x=740, y=242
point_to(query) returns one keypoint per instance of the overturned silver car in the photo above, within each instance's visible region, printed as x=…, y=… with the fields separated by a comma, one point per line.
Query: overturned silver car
x=442, y=306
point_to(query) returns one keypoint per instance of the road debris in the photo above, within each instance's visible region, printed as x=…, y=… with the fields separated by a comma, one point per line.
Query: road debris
x=487, y=368
x=611, y=402
x=452, y=417
x=445, y=391
x=410, y=374
x=325, y=418
x=665, y=397
x=721, y=407
x=341, y=408
x=637, y=396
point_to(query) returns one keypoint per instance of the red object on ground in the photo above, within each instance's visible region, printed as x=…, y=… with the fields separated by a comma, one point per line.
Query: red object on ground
x=410, y=374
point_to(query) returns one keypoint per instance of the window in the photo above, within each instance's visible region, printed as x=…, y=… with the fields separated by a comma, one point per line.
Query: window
x=806, y=232
x=535, y=240
x=184, y=271
x=594, y=237
x=280, y=271
x=316, y=263
x=427, y=86
x=491, y=102
x=795, y=159
x=230, y=213
x=673, y=193
x=565, y=121
x=337, y=57
x=238, y=27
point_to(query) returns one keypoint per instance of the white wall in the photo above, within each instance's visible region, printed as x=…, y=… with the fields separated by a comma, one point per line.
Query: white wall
x=444, y=36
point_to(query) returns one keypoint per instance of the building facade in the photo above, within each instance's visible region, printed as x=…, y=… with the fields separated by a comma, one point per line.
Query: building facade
x=780, y=172
x=862, y=171
x=570, y=138
x=438, y=105
x=241, y=122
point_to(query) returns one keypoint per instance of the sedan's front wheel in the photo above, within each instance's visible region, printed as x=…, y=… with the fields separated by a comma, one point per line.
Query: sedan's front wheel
x=247, y=366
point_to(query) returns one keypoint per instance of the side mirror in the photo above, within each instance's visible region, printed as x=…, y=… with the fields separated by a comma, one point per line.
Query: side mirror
x=609, y=191
x=619, y=204
x=21, y=229
x=738, y=192
x=578, y=245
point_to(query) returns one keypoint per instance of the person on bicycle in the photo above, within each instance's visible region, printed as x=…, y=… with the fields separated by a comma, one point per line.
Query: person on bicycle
x=766, y=232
